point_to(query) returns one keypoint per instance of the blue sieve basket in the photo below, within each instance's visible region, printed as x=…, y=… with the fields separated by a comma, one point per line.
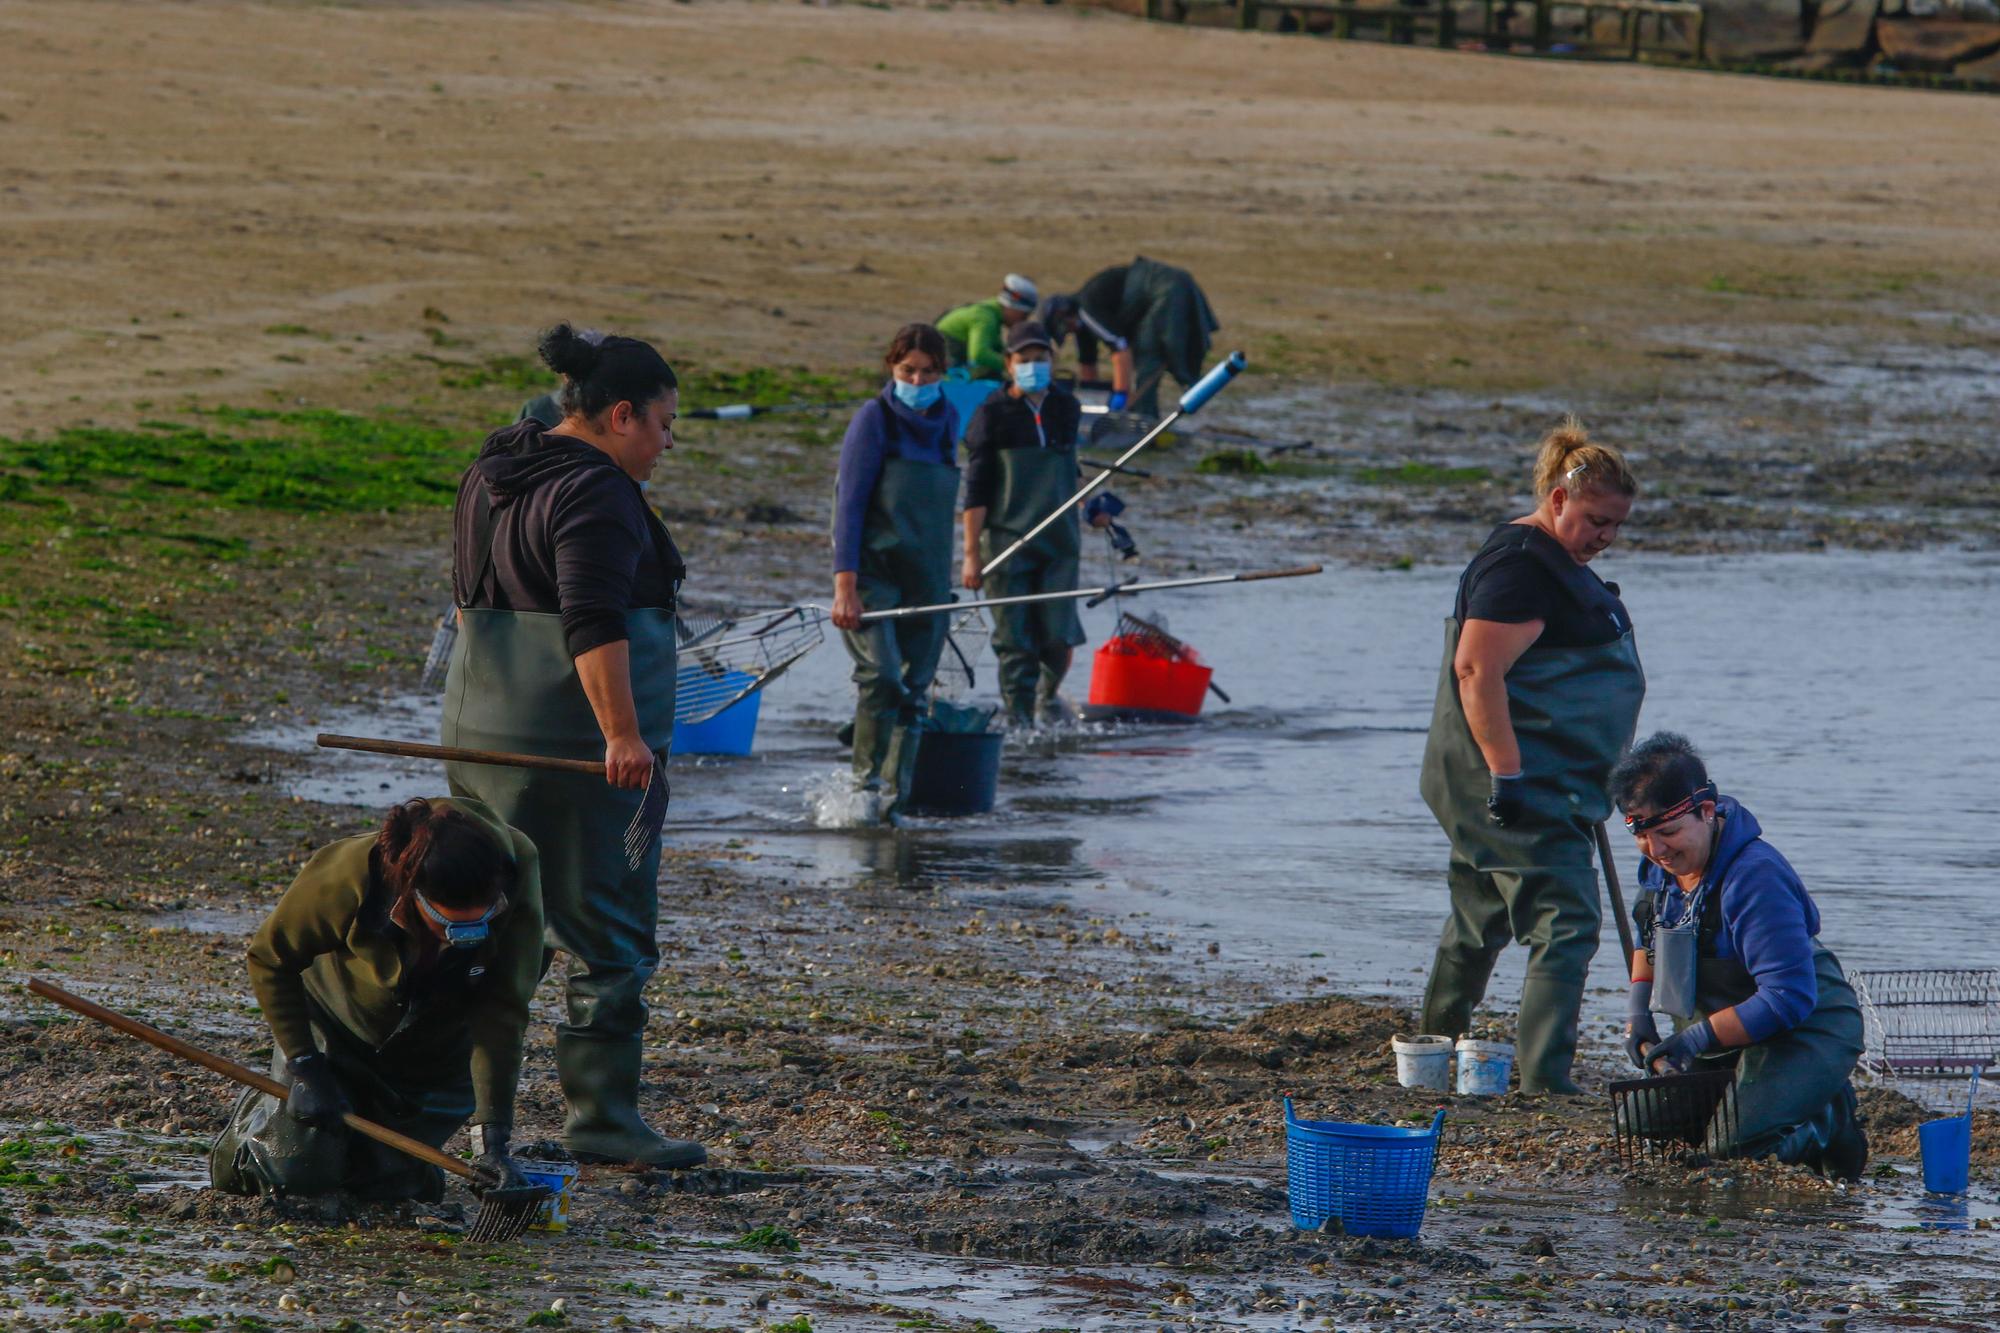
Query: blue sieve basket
x=1375, y=1178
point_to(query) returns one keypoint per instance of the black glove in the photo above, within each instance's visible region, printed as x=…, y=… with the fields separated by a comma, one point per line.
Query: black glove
x=1678, y=1052
x=1507, y=800
x=1640, y=1029
x=492, y=1160
x=315, y=1098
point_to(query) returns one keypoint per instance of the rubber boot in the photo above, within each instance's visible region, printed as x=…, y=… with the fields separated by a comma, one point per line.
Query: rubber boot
x=1847, y=1155
x=1456, y=986
x=1546, y=1040
x=600, y=1081
x=899, y=760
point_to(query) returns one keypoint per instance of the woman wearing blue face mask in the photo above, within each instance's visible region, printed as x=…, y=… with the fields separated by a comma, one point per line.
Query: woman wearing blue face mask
x=1020, y=467
x=892, y=505
x=395, y=975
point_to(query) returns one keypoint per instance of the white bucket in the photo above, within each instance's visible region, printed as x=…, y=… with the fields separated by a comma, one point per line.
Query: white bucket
x=1423, y=1061
x=1483, y=1067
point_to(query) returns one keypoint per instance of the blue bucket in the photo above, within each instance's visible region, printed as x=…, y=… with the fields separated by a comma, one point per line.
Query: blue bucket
x=956, y=773
x=728, y=732
x=1375, y=1178
x=1947, y=1149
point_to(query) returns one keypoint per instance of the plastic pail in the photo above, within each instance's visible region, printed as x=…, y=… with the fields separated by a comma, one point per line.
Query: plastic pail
x=1141, y=684
x=1483, y=1067
x=1947, y=1150
x=956, y=773
x=558, y=1176
x=729, y=732
x=1423, y=1062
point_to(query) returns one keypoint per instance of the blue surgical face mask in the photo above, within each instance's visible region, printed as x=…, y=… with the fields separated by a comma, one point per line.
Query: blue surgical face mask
x=917, y=397
x=1031, y=376
x=462, y=934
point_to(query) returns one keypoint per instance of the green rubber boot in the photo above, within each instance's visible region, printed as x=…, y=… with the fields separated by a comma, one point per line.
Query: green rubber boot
x=600, y=1081
x=1546, y=1044
x=1457, y=984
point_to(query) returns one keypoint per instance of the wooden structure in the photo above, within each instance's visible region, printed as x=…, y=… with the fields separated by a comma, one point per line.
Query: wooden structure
x=1439, y=23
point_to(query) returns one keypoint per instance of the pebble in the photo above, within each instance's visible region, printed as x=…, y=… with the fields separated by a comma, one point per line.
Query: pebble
x=288, y=1302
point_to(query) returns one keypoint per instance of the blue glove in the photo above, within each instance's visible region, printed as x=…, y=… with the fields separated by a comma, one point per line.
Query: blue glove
x=1640, y=1029
x=1116, y=402
x=1679, y=1051
x=1103, y=504
x=1506, y=800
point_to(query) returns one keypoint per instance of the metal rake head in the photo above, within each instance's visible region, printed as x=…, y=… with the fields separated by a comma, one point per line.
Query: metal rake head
x=505, y=1214
x=1147, y=638
x=649, y=818
x=438, y=660
x=1674, y=1115
x=726, y=658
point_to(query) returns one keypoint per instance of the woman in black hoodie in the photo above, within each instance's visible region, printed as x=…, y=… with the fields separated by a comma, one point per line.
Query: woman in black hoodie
x=566, y=583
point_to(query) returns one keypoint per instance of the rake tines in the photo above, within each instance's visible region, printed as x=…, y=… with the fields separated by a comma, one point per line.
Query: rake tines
x=505, y=1214
x=1146, y=638
x=1673, y=1115
x=648, y=819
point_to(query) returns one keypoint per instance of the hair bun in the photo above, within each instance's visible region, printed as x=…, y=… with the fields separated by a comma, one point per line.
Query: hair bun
x=568, y=352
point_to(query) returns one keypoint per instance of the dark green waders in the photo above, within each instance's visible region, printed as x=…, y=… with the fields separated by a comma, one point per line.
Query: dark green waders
x=1574, y=712
x=1793, y=1100
x=424, y=1092
x=513, y=686
x=1033, y=644
x=906, y=546
x=1173, y=335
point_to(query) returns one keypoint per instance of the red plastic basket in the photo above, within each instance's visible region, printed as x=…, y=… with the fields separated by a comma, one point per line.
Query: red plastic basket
x=1127, y=680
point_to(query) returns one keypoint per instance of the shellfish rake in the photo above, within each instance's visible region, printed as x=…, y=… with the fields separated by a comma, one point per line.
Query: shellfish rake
x=726, y=658
x=1673, y=1115
x=503, y=1213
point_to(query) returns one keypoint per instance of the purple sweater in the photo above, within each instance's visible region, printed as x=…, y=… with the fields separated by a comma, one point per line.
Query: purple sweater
x=1769, y=921
x=881, y=430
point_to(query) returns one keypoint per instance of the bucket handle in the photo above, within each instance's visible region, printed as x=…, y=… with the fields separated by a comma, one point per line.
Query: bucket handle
x=1290, y=1117
x=1437, y=1125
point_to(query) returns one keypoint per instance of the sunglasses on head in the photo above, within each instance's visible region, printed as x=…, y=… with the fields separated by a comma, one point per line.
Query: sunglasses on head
x=1705, y=792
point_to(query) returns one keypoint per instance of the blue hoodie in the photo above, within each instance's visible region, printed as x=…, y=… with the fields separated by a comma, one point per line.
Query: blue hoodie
x=1769, y=921
x=883, y=428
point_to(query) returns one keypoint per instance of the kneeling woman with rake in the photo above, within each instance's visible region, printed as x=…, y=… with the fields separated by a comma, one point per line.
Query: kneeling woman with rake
x=395, y=974
x=1728, y=946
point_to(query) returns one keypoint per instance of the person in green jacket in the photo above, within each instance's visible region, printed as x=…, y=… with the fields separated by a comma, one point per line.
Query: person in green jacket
x=395, y=975
x=975, y=335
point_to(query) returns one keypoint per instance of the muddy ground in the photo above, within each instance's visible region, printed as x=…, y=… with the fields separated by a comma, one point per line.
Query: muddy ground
x=964, y=1103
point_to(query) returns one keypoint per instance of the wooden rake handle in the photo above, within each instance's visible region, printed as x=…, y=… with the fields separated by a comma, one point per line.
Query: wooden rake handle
x=1297, y=571
x=264, y=1083
x=456, y=754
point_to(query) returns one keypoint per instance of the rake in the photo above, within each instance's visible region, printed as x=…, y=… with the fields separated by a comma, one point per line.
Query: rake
x=647, y=820
x=1668, y=1116
x=1141, y=637
x=503, y=1213
x=725, y=658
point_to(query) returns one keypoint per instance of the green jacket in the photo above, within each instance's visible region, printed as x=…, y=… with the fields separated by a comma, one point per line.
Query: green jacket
x=331, y=945
x=976, y=336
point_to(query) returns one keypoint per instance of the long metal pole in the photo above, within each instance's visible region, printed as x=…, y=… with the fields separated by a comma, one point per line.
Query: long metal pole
x=1617, y=894
x=1121, y=589
x=1191, y=401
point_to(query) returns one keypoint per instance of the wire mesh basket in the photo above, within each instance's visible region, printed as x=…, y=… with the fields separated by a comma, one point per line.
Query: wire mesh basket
x=1673, y=1116
x=726, y=656
x=1930, y=1023
x=1138, y=636
x=964, y=649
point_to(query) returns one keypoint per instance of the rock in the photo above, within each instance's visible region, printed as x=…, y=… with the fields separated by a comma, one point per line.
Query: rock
x=1539, y=1245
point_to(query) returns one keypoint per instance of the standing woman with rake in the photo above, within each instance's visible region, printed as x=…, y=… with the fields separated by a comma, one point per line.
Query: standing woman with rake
x=893, y=501
x=1537, y=698
x=567, y=583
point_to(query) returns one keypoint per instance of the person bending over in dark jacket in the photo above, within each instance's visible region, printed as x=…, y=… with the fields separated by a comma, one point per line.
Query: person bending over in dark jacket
x=395, y=975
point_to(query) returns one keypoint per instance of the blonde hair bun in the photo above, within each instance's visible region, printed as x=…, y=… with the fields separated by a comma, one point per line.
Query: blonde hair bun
x=1569, y=458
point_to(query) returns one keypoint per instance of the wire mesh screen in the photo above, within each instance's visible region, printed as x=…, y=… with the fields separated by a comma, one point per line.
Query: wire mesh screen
x=1142, y=637
x=1673, y=1116
x=726, y=656
x=1930, y=1023
x=960, y=664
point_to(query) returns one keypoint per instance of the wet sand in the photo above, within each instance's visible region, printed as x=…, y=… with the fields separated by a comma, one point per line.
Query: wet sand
x=963, y=1099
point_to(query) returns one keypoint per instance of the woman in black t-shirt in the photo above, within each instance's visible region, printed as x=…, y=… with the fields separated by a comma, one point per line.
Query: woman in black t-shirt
x=1538, y=696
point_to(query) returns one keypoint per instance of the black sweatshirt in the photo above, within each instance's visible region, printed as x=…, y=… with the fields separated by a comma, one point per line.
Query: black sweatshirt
x=571, y=534
x=1006, y=422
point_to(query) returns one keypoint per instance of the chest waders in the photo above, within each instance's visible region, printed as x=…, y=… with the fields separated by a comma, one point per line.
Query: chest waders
x=418, y=1082
x=1574, y=712
x=1032, y=643
x=906, y=545
x=513, y=686
x=1172, y=335
x=1792, y=1096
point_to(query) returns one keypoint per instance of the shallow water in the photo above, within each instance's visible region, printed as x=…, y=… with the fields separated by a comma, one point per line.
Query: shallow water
x=1848, y=699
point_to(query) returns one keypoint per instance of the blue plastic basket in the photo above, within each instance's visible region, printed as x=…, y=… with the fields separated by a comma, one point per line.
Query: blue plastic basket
x=1375, y=1178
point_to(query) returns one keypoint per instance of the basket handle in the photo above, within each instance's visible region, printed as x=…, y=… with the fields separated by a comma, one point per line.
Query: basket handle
x=1437, y=1124
x=1290, y=1118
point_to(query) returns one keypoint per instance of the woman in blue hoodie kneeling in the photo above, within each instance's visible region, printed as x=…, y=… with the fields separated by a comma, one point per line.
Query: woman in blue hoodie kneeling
x=1729, y=948
x=894, y=499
